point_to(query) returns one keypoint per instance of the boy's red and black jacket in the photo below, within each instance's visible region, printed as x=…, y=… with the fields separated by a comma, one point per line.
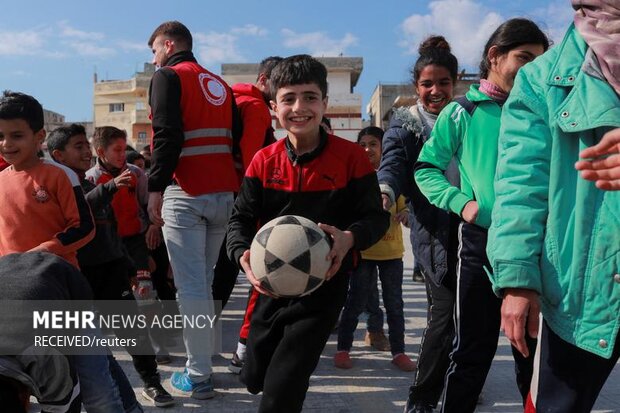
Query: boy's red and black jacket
x=334, y=184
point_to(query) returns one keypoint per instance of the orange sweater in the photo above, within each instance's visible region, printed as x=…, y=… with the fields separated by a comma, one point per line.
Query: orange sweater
x=43, y=209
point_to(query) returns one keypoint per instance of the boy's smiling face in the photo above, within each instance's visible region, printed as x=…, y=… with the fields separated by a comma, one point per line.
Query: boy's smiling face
x=76, y=155
x=299, y=109
x=19, y=144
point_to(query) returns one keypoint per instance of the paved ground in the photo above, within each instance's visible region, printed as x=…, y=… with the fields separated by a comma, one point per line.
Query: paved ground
x=373, y=385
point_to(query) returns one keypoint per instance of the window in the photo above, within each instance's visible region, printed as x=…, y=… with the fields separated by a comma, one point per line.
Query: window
x=142, y=138
x=140, y=106
x=117, y=107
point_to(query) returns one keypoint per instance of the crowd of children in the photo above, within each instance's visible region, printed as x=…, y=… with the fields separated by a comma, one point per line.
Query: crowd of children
x=502, y=224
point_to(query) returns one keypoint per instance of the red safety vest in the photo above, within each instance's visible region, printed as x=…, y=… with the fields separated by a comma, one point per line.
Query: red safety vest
x=206, y=162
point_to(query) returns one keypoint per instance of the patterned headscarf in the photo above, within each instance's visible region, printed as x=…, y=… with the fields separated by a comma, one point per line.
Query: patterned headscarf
x=598, y=21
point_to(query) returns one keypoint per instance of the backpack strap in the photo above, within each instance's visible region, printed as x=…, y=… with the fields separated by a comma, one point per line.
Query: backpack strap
x=467, y=104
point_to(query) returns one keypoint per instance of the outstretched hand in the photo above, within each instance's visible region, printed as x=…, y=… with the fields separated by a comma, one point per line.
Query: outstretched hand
x=342, y=243
x=602, y=162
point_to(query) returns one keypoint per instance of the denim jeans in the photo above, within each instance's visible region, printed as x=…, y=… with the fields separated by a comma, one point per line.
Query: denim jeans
x=194, y=230
x=374, y=322
x=128, y=396
x=391, y=276
x=100, y=393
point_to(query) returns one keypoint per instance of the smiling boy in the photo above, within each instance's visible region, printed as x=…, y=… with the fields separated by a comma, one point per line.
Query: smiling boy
x=43, y=206
x=323, y=178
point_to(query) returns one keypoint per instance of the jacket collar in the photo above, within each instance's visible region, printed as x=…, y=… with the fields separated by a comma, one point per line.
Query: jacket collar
x=475, y=95
x=308, y=156
x=564, y=71
x=591, y=102
x=178, y=57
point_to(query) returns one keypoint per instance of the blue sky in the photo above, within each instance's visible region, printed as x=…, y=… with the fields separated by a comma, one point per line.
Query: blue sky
x=51, y=49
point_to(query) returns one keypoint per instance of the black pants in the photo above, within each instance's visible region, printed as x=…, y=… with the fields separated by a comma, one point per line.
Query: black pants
x=285, y=343
x=110, y=281
x=434, y=356
x=477, y=321
x=567, y=379
x=224, y=278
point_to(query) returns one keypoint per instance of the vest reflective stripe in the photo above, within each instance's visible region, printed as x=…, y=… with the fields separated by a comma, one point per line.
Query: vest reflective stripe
x=208, y=133
x=204, y=150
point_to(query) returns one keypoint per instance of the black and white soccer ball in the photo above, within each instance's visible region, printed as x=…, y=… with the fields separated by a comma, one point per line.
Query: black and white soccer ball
x=288, y=256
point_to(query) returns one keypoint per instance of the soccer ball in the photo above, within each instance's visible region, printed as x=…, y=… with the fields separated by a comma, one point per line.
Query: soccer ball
x=288, y=256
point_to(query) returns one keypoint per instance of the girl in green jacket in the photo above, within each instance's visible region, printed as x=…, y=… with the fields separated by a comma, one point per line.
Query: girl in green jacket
x=468, y=132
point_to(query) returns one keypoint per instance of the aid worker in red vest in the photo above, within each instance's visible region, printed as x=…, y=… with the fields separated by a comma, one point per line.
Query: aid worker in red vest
x=191, y=185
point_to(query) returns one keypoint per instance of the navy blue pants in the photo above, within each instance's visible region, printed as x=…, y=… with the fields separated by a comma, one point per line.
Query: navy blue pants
x=477, y=322
x=567, y=379
x=391, y=276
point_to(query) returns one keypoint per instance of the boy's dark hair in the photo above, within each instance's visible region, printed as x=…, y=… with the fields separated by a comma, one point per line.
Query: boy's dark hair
x=176, y=31
x=16, y=105
x=59, y=137
x=265, y=67
x=435, y=50
x=132, y=156
x=105, y=135
x=146, y=148
x=298, y=70
x=509, y=35
x=375, y=131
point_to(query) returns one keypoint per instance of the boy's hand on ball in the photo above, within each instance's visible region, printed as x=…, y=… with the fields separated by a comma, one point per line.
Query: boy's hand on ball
x=244, y=261
x=342, y=243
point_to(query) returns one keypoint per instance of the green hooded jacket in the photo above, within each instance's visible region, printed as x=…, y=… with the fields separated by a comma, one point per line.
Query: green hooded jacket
x=472, y=141
x=552, y=231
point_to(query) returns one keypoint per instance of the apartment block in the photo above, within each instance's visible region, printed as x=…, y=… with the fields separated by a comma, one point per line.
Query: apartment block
x=124, y=104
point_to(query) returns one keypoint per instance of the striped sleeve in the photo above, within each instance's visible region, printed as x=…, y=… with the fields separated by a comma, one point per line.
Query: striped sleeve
x=80, y=228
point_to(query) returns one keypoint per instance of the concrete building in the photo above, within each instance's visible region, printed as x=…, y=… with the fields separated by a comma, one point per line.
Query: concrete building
x=53, y=120
x=392, y=95
x=124, y=104
x=344, y=106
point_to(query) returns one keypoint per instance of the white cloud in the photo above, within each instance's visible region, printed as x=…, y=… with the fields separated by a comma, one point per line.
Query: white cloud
x=466, y=24
x=129, y=46
x=318, y=43
x=21, y=43
x=249, y=30
x=71, y=32
x=215, y=47
x=86, y=48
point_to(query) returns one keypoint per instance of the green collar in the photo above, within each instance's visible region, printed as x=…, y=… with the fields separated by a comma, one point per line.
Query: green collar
x=564, y=71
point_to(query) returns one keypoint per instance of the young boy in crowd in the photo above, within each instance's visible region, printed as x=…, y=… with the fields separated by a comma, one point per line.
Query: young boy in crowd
x=128, y=203
x=104, y=261
x=386, y=258
x=43, y=209
x=323, y=178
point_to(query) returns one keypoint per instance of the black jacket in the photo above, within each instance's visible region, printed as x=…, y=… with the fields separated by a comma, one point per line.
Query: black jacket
x=107, y=244
x=434, y=231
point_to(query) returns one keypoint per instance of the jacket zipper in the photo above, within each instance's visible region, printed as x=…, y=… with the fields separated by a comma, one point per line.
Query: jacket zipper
x=301, y=175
